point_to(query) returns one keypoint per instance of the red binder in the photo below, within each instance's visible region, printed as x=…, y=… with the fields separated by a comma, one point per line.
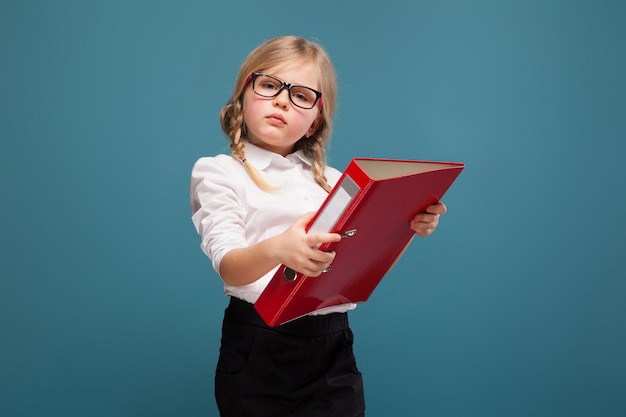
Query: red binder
x=371, y=207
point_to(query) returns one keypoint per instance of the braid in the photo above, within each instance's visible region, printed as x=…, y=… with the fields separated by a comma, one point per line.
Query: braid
x=316, y=151
x=320, y=177
x=237, y=126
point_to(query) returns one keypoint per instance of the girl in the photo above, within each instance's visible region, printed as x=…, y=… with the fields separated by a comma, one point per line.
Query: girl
x=251, y=209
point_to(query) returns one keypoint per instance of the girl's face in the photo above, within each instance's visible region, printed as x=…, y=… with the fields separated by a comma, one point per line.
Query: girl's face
x=276, y=124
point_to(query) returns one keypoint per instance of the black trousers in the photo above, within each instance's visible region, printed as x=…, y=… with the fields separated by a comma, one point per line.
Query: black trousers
x=302, y=368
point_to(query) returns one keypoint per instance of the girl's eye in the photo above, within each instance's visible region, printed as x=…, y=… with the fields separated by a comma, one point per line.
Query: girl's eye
x=269, y=85
x=301, y=97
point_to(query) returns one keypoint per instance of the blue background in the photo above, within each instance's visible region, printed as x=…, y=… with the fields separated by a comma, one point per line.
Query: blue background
x=516, y=306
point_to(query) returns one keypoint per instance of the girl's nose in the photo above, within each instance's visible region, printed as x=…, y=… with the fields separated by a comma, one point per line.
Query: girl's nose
x=282, y=99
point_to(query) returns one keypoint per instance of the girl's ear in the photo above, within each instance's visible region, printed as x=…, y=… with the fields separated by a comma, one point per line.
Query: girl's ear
x=314, y=126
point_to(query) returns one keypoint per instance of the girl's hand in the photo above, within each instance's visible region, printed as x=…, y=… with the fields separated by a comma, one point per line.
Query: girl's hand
x=298, y=250
x=423, y=224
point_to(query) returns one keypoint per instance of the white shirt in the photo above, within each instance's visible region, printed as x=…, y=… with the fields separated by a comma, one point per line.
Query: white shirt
x=230, y=211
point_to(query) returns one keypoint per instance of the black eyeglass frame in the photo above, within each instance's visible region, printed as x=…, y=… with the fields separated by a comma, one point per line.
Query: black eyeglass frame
x=283, y=85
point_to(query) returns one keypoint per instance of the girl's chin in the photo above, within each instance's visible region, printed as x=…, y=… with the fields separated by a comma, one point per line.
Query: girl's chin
x=273, y=142
x=274, y=146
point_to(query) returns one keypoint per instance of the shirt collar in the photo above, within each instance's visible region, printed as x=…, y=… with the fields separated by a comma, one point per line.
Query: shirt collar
x=261, y=158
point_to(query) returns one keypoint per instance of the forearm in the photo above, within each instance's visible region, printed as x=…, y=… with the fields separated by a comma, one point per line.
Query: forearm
x=244, y=266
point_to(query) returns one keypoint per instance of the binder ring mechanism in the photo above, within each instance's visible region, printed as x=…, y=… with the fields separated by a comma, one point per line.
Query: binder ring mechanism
x=291, y=275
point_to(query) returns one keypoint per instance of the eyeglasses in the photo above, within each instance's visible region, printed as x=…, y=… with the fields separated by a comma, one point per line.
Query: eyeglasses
x=268, y=86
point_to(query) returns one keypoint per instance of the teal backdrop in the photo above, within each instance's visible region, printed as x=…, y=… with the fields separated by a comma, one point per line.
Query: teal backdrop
x=515, y=307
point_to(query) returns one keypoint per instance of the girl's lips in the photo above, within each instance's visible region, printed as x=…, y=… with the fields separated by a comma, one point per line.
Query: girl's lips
x=276, y=119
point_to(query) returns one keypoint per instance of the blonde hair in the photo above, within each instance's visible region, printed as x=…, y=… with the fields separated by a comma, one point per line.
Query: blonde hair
x=269, y=54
